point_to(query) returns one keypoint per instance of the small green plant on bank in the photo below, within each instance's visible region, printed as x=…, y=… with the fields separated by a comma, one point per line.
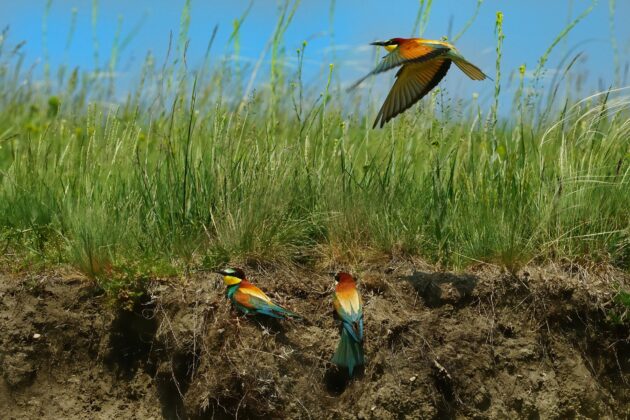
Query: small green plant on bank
x=620, y=313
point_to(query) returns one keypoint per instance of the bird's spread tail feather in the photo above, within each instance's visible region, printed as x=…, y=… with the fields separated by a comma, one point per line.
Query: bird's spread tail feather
x=349, y=352
x=279, y=312
x=357, y=83
x=470, y=70
x=292, y=315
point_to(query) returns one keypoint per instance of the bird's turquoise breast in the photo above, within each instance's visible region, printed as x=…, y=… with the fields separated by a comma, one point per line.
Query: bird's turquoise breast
x=229, y=292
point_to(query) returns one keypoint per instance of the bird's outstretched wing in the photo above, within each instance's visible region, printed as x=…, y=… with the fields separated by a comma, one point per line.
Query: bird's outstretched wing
x=404, y=54
x=413, y=81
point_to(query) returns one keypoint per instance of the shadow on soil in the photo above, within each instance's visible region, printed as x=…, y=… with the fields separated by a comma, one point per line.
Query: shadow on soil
x=133, y=347
x=435, y=287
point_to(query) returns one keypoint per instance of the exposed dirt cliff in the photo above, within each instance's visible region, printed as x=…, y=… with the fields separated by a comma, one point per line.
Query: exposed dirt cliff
x=482, y=344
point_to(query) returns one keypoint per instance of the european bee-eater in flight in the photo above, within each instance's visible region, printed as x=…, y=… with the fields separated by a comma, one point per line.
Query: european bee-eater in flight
x=424, y=63
x=248, y=298
x=349, y=309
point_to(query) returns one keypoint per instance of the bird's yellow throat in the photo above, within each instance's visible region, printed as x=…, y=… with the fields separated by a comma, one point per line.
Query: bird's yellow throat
x=231, y=280
x=390, y=48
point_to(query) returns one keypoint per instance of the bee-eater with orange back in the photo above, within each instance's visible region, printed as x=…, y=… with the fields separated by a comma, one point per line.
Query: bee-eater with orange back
x=423, y=64
x=349, y=309
x=248, y=298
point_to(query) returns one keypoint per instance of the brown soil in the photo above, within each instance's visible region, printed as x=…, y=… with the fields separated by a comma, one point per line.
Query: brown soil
x=483, y=344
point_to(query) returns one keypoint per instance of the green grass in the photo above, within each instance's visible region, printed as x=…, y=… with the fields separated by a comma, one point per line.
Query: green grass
x=185, y=175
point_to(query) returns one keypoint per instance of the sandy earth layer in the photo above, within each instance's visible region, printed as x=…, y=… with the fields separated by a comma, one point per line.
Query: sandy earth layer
x=482, y=344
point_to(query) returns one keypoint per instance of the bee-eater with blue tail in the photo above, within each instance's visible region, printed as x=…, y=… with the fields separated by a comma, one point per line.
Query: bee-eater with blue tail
x=248, y=298
x=423, y=64
x=349, y=309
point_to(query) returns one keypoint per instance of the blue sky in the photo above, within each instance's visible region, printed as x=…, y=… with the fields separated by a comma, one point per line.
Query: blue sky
x=529, y=26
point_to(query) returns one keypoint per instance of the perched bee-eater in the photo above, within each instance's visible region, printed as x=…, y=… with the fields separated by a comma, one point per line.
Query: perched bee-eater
x=248, y=298
x=348, y=308
x=424, y=63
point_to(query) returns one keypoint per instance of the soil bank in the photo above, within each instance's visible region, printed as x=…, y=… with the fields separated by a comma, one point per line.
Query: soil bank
x=481, y=344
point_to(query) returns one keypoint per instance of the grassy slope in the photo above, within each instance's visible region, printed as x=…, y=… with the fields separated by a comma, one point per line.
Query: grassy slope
x=178, y=175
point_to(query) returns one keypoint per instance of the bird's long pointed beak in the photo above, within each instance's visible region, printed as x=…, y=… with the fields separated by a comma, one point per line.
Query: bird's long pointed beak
x=379, y=43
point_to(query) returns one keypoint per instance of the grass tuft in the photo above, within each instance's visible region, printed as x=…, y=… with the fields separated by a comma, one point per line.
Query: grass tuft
x=181, y=176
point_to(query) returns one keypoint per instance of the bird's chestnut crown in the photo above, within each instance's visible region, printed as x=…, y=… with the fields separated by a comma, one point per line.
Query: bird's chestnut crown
x=342, y=276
